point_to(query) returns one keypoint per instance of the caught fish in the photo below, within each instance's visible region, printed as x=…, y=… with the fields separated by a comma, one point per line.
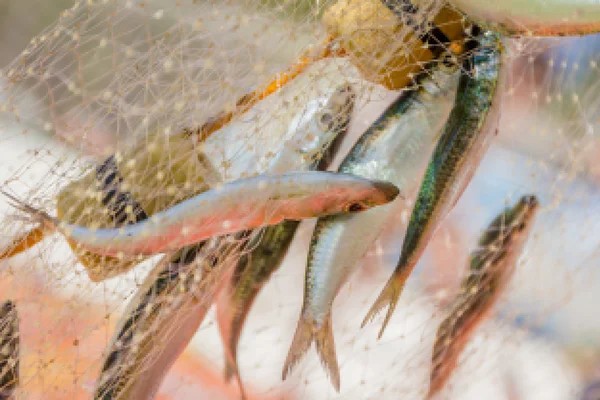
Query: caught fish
x=315, y=149
x=534, y=17
x=243, y=204
x=472, y=123
x=390, y=149
x=491, y=267
x=9, y=346
x=162, y=318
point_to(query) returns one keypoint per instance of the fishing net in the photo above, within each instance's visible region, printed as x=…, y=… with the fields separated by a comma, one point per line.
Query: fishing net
x=164, y=100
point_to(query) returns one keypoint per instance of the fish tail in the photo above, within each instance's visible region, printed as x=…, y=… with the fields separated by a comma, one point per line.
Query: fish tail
x=225, y=322
x=389, y=297
x=24, y=242
x=326, y=350
x=440, y=374
x=44, y=219
x=305, y=334
x=230, y=370
x=300, y=344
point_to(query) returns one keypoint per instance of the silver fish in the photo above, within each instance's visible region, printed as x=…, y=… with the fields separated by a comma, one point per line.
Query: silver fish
x=534, y=17
x=9, y=349
x=471, y=126
x=391, y=149
x=492, y=266
x=236, y=206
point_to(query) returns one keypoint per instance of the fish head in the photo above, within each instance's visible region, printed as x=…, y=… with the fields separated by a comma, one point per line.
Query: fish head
x=326, y=118
x=522, y=214
x=357, y=196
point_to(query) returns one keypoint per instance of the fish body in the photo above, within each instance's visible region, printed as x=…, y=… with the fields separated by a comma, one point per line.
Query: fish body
x=390, y=149
x=314, y=148
x=534, y=17
x=236, y=206
x=492, y=266
x=10, y=345
x=466, y=137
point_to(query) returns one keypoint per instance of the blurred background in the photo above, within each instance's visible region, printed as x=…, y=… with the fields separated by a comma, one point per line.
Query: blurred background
x=59, y=113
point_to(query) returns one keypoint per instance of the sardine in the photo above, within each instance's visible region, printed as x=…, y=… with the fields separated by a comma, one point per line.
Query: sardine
x=390, y=149
x=318, y=144
x=162, y=318
x=534, y=17
x=9, y=349
x=472, y=123
x=491, y=267
x=236, y=206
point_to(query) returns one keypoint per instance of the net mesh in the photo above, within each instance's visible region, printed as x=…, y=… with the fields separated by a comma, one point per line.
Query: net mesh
x=174, y=98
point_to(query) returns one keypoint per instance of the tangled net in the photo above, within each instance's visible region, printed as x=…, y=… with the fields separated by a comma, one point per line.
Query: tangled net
x=144, y=82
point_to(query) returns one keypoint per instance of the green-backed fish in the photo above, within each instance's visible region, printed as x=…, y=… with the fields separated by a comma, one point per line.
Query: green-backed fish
x=9, y=349
x=491, y=267
x=314, y=150
x=391, y=149
x=472, y=123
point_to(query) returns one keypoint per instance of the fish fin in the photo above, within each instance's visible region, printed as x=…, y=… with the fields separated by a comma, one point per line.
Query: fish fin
x=303, y=338
x=24, y=242
x=326, y=350
x=39, y=216
x=225, y=321
x=389, y=297
x=300, y=344
x=232, y=370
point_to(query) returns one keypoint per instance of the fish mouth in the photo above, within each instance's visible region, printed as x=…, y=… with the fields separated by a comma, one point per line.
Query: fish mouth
x=7, y=307
x=389, y=190
x=530, y=201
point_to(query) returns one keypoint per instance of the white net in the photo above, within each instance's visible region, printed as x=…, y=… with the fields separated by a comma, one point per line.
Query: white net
x=170, y=99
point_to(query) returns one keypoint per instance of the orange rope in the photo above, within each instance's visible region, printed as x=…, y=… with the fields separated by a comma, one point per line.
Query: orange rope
x=24, y=242
x=280, y=80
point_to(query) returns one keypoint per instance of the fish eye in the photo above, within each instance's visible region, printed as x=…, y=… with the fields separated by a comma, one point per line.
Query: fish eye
x=448, y=62
x=326, y=121
x=355, y=207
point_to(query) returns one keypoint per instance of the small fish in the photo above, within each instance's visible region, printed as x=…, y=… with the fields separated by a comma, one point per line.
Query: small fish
x=9, y=349
x=534, y=17
x=162, y=318
x=316, y=147
x=472, y=123
x=390, y=149
x=236, y=206
x=492, y=266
